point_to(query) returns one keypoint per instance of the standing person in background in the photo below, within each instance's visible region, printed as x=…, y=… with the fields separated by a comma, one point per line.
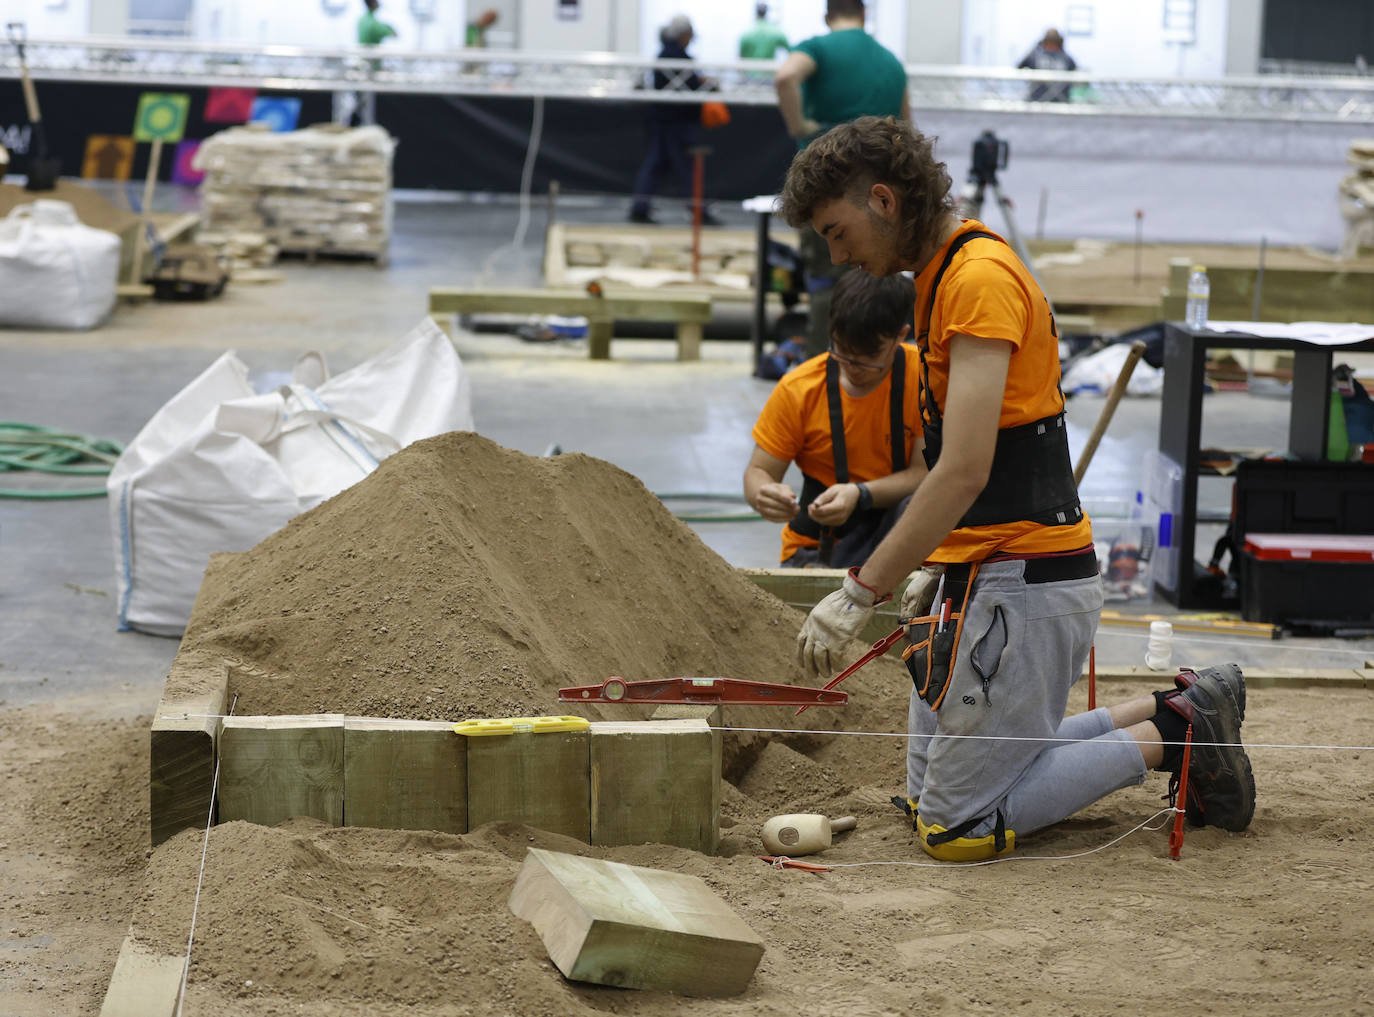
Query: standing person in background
x=672, y=128
x=372, y=31
x=1049, y=55
x=763, y=41
x=827, y=80
x=477, y=29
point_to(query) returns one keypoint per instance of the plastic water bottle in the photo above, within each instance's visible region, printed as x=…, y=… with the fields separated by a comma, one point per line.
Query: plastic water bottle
x=1159, y=651
x=1199, y=290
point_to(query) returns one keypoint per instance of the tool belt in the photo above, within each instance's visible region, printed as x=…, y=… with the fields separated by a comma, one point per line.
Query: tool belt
x=935, y=644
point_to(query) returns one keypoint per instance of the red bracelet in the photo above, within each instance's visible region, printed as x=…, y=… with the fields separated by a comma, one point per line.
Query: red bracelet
x=854, y=575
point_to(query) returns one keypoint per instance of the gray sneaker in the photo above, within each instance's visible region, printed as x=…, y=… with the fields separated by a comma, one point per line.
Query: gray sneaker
x=1221, y=785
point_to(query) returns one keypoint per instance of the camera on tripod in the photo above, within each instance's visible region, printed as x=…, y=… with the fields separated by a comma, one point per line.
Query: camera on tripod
x=989, y=155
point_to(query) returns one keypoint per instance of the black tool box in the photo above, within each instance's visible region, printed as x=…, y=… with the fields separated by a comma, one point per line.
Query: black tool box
x=1284, y=577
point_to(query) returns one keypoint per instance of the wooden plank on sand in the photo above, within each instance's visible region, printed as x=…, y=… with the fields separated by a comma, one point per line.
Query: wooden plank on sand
x=637, y=928
x=656, y=782
x=273, y=768
x=144, y=983
x=405, y=775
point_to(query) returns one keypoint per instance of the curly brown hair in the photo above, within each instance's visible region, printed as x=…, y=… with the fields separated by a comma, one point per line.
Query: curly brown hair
x=847, y=160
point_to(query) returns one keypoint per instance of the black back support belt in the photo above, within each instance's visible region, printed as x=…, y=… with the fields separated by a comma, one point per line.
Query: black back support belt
x=1031, y=478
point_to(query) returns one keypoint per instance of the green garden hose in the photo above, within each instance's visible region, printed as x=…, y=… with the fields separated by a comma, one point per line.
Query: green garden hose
x=710, y=517
x=30, y=447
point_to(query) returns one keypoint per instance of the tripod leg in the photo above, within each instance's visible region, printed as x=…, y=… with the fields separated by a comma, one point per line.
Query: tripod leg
x=1014, y=235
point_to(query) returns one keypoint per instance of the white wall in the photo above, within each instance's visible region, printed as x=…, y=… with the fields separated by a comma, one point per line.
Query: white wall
x=934, y=32
x=68, y=22
x=305, y=23
x=720, y=23
x=1127, y=39
x=1244, y=24
x=591, y=31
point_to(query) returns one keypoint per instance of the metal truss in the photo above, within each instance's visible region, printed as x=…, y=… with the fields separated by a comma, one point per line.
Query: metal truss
x=165, y=63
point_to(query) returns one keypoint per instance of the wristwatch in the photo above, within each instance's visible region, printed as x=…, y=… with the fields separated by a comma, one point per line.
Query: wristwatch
x=865, y=498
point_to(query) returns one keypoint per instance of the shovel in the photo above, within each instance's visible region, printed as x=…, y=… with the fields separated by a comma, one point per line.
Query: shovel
x=43, y=168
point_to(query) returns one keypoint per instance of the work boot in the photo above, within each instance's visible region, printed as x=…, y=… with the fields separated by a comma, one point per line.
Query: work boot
x=641, y=215
x=1230, y=676
x=1221, y=786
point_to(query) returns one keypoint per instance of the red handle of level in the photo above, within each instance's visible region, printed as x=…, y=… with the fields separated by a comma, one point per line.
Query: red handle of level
x=879, y=648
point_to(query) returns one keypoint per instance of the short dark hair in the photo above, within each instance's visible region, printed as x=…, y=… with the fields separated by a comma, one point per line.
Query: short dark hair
x=844, y=8
x=846, y=161
x=865, y=310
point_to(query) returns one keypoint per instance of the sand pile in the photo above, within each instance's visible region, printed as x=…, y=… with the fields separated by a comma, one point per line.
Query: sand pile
x=462, y=579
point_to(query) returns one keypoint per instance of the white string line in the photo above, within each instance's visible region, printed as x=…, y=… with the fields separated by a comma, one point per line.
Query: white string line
x=1033, y=738
x=879, y=734
x=200, y=880
x=1009, y=858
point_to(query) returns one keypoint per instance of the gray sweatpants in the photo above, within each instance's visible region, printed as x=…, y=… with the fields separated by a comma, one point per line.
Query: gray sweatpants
x=1031, y=641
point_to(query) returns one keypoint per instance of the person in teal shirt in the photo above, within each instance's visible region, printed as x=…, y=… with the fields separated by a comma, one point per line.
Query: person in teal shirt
x=763, y=41
x=371, y=29
x=827, y=80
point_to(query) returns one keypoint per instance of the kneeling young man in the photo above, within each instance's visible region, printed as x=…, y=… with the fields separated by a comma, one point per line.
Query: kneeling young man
x=846, y=418
x=1006, y=605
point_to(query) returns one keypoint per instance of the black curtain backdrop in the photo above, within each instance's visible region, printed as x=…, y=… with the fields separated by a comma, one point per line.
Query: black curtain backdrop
x=444, y=142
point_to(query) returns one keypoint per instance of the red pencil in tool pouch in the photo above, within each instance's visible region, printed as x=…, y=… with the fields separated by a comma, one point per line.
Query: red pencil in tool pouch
x=935, y=637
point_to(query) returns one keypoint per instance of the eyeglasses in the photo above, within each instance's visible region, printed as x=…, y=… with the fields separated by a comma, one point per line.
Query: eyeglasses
x=864, y=365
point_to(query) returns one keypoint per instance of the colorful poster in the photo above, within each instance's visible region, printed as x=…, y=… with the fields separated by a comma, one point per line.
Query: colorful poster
x=161, y=116
x=182, y=170
x=279, y=113
x=108, y=157
x=229, y=105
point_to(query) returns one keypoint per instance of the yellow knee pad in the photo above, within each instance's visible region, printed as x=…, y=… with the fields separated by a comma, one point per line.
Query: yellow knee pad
x=937, y=842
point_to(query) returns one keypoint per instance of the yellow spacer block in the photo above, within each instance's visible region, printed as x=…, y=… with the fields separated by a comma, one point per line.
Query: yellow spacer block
x=520, y=725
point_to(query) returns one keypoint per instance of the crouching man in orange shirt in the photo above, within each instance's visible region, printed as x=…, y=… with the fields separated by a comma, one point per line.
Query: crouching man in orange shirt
x=848, y=419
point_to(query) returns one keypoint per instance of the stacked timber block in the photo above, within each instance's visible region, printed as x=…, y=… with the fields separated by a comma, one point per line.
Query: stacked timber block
x=1338, y=293
x=605, y=784
x=319, y=190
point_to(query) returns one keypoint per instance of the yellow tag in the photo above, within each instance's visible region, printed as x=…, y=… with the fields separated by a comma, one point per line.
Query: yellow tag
x=520, y=725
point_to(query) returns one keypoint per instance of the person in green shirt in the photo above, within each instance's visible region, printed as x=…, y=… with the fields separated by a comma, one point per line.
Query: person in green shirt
x=827, y=80
x=764, y=40
x=371, y=29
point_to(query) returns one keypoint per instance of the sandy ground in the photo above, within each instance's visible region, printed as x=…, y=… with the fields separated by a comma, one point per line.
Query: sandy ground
x=1087, y=917
x=302, y=919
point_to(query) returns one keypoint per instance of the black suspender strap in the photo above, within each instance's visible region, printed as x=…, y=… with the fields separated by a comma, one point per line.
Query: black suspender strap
x=897, y=416
x=832, y=397
x=930, y=410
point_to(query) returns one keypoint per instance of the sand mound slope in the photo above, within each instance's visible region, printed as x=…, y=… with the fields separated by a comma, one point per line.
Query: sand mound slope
x=462, y=579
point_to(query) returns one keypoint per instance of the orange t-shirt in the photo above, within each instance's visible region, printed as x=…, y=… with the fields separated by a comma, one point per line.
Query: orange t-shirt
x=794, y=426
x=986, y=292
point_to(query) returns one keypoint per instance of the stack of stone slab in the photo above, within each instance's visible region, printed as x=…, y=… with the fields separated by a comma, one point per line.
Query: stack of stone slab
x=1357, y=198
x=323, y=189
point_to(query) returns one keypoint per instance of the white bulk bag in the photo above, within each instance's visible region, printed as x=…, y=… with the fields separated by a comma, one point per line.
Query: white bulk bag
x=55, y=272
x=220, y=467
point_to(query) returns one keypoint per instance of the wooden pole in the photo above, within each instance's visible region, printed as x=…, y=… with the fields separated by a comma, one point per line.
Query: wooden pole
x=698, y=186
x=1113, y=397
x=149, y=183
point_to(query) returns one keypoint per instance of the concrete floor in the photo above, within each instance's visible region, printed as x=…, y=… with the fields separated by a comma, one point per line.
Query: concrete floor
x=678, y=427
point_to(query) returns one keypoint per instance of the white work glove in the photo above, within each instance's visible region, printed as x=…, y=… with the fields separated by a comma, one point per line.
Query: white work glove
x=919, y=595
x=834, y=622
